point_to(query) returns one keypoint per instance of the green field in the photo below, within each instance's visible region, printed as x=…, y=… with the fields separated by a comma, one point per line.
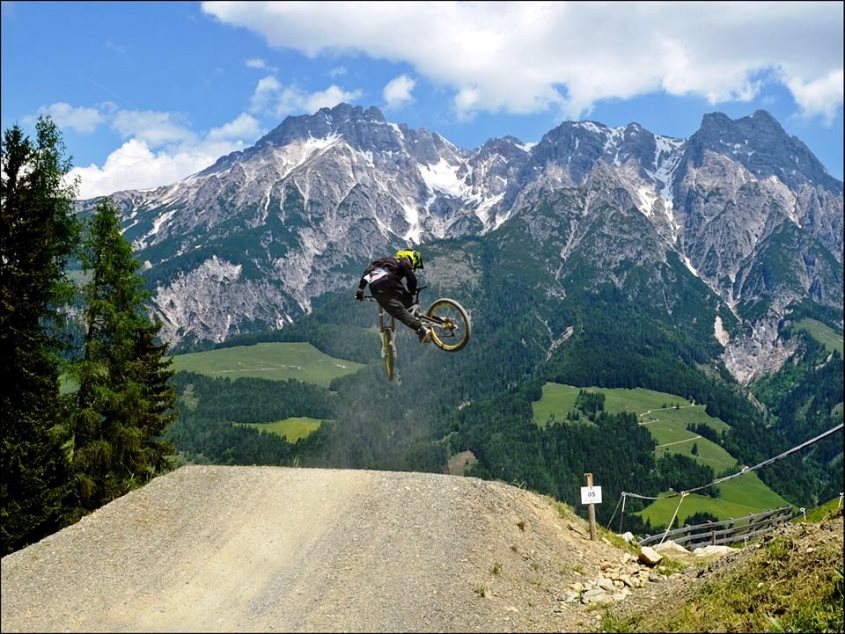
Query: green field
x=825, y=335
x=744, y=495
x=557, y=401
x=666, y=416
x=292, y=429
x=275, y=361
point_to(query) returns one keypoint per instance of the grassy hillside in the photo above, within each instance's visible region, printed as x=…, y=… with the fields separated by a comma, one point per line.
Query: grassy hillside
x=790, y=581
x=291, y=429
x=666, y=416
x=275, y=361
x=825, y=335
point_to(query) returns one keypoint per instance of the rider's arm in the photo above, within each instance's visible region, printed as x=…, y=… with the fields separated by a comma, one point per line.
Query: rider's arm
x=408, y=271
x=359, y=294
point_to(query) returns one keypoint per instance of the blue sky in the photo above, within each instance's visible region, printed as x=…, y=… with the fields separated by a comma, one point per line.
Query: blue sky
x=147, y=93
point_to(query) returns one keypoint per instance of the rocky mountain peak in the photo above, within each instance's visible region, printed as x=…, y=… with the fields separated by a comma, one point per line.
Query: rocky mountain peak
x=359, y=127
x=506, y=146
x=762, y=146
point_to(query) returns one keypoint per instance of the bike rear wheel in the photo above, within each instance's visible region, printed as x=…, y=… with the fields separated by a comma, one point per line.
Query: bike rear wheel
x=449, y=323
x=387, y=351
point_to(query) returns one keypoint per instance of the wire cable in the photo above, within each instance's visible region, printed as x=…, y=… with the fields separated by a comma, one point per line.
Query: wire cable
x=742, y=471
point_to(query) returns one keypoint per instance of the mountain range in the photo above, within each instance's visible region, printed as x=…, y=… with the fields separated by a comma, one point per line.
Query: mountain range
x=722, y=234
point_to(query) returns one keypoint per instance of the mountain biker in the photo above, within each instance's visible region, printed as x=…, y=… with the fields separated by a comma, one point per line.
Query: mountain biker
x=385, y=279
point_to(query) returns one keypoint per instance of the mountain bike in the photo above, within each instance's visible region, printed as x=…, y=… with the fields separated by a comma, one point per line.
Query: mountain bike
x=447, y=319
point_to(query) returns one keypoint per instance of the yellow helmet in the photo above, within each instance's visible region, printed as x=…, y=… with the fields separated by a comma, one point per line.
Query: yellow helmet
x=413, y=256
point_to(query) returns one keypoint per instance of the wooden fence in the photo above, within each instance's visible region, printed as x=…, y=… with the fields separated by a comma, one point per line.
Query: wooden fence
x=724, y=532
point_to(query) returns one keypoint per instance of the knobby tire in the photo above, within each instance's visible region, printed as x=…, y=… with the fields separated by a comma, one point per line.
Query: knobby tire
x=449, y=323
x=387, y=342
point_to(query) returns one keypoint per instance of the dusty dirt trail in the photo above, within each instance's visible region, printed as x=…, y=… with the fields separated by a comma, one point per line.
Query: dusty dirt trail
x=261, y=549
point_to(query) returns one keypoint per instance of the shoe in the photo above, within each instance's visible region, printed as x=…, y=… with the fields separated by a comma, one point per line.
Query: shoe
x=424, y=334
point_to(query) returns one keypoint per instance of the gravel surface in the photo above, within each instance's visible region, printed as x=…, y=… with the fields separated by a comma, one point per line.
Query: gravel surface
x=262, y=549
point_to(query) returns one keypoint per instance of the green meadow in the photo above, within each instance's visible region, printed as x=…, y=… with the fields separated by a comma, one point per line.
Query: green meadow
x=825, y=335
x=292, y=429
x=556, y=401
x=274, y=361
x=666, y=416
x=741, y=496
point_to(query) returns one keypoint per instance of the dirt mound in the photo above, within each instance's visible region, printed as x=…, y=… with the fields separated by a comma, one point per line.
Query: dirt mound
x=210, y=548
x=260, y=549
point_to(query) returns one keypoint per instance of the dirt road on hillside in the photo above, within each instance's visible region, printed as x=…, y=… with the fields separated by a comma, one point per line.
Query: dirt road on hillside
x=262, y=549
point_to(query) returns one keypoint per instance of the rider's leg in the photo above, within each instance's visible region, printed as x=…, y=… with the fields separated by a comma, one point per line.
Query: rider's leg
x=408, y=302
x=394, y=305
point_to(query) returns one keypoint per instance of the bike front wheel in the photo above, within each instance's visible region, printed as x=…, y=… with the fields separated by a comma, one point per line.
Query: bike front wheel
x=449, y=323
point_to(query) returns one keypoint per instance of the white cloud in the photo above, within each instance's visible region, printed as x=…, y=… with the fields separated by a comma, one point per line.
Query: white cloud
x=138, y=164
x=259, y=64
x=264, y=93
x=160, y=150
x=134, y=166
x=66, y=116
x=327, y=98
x=529, y=57
x=244, y=127
x=272, y=97
x=819, y=97
x=154, y=128
x=397, y=92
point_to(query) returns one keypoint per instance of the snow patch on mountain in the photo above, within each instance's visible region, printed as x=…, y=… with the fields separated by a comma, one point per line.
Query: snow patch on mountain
x=415, y=230
x=688, y=263
x=141, y=242
x=667, y=155
x=614, y=138
x=593, y=127
x=292, y=156
x=484, y=208
x=443, y=177
x=646, y=196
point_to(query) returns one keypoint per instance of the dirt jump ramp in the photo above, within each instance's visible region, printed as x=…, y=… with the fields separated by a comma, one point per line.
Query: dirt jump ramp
x=276, y=549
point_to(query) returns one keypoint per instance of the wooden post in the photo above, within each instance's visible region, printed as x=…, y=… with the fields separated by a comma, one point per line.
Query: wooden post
x=591, y=509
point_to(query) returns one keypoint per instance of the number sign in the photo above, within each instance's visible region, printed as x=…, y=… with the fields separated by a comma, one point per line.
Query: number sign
x=590, y=495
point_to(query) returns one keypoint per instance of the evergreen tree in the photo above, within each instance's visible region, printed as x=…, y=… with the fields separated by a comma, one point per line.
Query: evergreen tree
x=124, y=399
x=158, y=394
x=38, y=233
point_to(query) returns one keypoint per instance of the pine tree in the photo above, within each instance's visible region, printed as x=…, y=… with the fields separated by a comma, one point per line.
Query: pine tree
x=154, y=371
x=38, y=233
x=124, y=399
